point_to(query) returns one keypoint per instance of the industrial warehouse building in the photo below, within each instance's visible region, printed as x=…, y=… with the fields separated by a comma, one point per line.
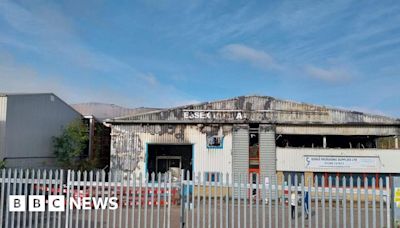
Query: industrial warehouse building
x=257, y=134
x=27, y=124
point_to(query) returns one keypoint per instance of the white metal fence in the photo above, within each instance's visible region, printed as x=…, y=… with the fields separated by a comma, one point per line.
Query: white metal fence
x=195, y=200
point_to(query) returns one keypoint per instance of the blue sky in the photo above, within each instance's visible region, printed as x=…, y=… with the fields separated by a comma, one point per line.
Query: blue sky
x=161, y=53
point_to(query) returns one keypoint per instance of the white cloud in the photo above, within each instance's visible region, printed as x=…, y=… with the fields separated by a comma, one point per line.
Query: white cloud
x=195, y=22
x=142, y=90
x=243, y=53
x=20, y=78
x=150, y=79
x=43, y=30
x=332, y=74
x=39, y=21
x=48, y=32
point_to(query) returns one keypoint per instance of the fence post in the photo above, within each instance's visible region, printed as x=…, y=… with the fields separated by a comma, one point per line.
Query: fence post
x=67, y=206
x=395, y=192
x=182, y=199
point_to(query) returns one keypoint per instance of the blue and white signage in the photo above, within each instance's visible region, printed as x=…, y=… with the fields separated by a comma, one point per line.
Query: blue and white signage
x=353, y=162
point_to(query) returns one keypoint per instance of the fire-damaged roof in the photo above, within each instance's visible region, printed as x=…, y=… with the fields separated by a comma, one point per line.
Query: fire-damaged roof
x=260, y=109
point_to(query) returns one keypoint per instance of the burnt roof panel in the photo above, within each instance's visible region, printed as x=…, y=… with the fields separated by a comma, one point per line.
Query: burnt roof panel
x=257, y=109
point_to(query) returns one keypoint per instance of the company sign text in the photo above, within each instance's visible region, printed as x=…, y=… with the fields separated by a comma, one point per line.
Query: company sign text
x=341, y=162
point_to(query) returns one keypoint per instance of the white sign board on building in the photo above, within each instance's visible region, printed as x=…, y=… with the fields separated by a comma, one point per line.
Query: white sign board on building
x=213, y=114
x=353, y=162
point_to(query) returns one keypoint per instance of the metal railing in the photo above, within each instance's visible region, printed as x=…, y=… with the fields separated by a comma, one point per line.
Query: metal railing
x=194, y=200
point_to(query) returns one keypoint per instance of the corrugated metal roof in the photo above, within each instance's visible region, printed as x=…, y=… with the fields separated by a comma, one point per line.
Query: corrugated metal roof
x=104, y=111
x=261, y=109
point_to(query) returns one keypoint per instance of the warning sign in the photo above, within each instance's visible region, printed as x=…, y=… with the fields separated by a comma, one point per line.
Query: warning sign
x=397, y=197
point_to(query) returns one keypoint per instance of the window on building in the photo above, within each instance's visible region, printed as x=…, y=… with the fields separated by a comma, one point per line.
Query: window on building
x=356, y=141
x=365, y=178
x=212, y=176
x=333, y=141
x=306, y=141
x=215, y=141
x=292, y=178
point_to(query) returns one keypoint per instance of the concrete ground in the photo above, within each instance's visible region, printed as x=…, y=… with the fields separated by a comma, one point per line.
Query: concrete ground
x=212, y=216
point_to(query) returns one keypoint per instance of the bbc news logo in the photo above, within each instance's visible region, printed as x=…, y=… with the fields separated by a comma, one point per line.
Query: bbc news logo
x=57, y=203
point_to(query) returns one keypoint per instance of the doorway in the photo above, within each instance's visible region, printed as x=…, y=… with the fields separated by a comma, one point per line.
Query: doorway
x=161, y=158
x=165, y=163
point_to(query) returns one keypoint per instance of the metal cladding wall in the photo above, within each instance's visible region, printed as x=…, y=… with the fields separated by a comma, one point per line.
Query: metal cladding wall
x=267, y=152
x=338, y=130
x=32, y=121
x=240, y=152
x=3, y=116
x=129, y=145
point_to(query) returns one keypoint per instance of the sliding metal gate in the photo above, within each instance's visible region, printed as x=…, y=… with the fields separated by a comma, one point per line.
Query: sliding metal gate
x=198, y=200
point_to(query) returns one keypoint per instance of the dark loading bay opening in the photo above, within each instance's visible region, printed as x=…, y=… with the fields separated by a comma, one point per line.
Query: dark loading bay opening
x=161, y=158
x=254, y=150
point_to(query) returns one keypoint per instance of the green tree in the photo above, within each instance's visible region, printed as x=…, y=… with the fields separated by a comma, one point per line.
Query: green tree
x=70, y=145
x=2, y=164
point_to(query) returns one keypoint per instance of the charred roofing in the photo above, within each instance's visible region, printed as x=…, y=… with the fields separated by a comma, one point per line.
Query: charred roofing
x=262, y=109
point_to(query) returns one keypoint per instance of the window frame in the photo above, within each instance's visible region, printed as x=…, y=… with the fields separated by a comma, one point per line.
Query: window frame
x=221, y=146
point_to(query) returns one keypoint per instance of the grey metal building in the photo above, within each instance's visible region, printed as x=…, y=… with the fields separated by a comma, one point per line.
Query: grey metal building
x=27, y=124
x=257, y=134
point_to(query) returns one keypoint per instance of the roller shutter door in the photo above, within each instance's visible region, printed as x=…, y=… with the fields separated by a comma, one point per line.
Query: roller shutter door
x=267, y=151
x=240, y=153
